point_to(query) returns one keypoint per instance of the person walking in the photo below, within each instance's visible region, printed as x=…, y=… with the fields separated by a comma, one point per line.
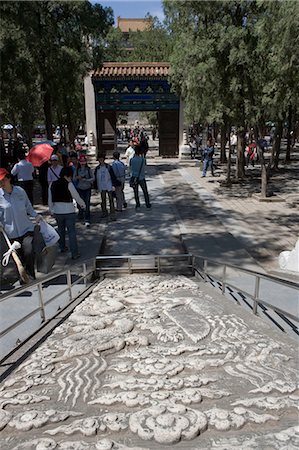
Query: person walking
x=137, y=164
x=15, y=213
x=23, y=171
x=208, y=154
x=119, y=170
x=61, y=196
x=54, y=170
x=85, y=178
x=103, y=182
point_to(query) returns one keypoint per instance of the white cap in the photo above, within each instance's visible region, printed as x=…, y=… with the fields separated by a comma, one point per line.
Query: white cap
x=54, y=158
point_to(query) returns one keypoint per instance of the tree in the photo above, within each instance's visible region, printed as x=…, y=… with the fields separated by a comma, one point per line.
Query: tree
x=229, y=65
x=62, y=40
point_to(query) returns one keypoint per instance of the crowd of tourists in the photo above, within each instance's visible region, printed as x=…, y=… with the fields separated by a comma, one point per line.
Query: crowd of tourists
x=67, y=182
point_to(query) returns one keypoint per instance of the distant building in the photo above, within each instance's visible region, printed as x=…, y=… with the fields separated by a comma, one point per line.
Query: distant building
x=128, y=25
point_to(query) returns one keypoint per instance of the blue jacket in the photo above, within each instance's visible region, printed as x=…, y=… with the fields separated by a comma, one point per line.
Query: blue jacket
x=208, y=153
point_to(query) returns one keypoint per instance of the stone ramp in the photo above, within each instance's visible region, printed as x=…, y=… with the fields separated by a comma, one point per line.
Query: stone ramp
x=152, y=362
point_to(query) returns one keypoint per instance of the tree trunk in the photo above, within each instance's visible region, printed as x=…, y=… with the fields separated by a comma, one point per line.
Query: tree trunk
x=223, y=158
x=240, y=163
x=277, y=143
x=289, y=136
x=228, y=175
x=265, y=170
x=48, y=114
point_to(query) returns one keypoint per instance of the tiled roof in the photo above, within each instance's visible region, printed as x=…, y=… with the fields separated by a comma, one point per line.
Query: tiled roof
x=132, y=69
x=126, y=25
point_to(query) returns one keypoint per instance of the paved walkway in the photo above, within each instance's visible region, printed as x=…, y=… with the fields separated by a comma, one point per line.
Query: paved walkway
x=215, y=222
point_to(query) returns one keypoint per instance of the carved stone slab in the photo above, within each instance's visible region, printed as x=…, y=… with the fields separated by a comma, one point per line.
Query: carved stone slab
x=148, y=362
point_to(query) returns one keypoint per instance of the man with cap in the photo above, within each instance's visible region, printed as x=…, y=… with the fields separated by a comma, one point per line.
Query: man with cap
x=84, y=178
x=54, y=170
x=15, y=213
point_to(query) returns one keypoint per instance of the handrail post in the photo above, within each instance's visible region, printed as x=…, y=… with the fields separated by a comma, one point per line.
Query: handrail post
x=256, y=293
x=193, y=264
x=205, y=269
x=85, y=274
x=41, y=302
x=158, y=264
x=130, y=266
x=223, y=279
x=69, y=283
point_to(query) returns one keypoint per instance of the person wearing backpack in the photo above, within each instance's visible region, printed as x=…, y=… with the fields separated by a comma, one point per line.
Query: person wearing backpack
x=85, y=178
x=119, y=170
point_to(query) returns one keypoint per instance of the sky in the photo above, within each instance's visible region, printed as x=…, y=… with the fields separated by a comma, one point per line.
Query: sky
x=134, y=9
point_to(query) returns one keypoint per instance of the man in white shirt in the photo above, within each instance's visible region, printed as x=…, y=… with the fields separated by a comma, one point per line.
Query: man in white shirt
x=130, y=152
x=23, y=171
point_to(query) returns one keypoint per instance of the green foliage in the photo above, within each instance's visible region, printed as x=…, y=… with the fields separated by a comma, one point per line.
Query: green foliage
x=152, y=44
x=50, y=46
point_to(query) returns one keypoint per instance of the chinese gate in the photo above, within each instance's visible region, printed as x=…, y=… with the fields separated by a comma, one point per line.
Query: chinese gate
x=135, y=87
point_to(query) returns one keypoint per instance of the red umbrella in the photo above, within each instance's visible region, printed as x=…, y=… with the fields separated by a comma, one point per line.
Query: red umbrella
x=39, y=154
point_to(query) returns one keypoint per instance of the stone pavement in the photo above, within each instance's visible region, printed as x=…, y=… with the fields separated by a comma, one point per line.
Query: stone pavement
x=215, y=222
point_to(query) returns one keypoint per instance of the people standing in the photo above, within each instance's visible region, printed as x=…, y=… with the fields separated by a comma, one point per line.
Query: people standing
x=251, y=153
x=130, y=152
x=208, y=154
x=119, y=170
x=54, y=169
x=15, y=213
x=73, y=163
x=85, y=178
x=137, y=164
x=61, y=196
x=193, y=147
x=23, y=171
x=233, y=142
x=103, y=181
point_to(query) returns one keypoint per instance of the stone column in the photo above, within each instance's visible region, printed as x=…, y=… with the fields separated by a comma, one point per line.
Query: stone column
x=184, y=149
x=90, y=114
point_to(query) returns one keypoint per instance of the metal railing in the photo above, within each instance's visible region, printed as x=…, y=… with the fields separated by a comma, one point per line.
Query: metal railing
x=201, y=266
x=136, y=263
x=83, y=275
